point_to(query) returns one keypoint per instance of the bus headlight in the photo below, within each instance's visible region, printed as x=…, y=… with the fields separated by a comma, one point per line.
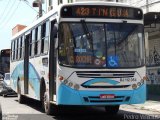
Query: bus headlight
x=142, y=81
x=145, y=78
x=134, y=86
x=70, y=84
x=60, y=78
x=139, y=84
x=65, y=81
x=76, y=86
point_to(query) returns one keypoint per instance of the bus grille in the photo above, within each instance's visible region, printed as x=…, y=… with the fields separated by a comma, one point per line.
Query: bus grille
x=105, y=74
x=114, y=86
x=97, y=99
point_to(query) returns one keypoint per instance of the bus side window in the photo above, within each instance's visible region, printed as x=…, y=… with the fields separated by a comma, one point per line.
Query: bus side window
x=39, y=40
x=60, y=2
x=19, y=47
x=33, y=42
x=20, y=50
x=46, y=43
x=36, y=43
x=12, y=57
x=70, y=1
x=43, y=32
x=45, y=35
x=15, y=50
x=23, y=47
x=30, y=44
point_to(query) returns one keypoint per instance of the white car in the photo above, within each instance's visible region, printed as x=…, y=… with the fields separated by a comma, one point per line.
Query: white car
x=7, y=90
x=1, y=77
x=7, y=79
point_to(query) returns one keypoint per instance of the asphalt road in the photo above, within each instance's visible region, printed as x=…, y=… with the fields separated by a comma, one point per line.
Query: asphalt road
x=31, y=110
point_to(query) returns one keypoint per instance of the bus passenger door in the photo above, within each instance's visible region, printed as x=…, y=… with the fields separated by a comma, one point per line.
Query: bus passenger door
x=52, y=62
x=26, y=63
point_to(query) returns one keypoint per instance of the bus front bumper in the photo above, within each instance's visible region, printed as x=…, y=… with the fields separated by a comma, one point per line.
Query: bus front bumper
x=69, y=96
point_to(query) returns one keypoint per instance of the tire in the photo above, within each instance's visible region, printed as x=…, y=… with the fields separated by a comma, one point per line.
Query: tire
x=21, y=98
x=49, y=108
x=4, y=95
x=113, y=109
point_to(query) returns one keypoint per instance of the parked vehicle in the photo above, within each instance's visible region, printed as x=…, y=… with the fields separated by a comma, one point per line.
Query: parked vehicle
x=1, y=77
x=5, y=88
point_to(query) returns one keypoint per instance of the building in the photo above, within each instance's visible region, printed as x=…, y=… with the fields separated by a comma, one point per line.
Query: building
x=17, y=29
x=151, y=11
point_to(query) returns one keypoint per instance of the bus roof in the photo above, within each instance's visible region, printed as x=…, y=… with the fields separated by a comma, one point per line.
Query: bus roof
x=56, y=11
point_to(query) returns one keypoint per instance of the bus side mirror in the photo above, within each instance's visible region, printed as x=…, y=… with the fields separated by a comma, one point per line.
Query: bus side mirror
x=56, y=43
x=55, y=31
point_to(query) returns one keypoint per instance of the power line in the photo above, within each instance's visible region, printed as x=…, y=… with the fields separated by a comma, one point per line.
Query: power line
x=26, y=2
x=11, y=14
x=5, y=8
x=8, y=11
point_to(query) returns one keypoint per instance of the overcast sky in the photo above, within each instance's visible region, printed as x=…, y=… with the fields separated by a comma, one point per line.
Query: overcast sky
x=13, y=12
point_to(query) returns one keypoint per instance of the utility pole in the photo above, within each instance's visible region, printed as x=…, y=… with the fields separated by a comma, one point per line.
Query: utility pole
x=147, y=6
x=38, y=3
x=40, y=8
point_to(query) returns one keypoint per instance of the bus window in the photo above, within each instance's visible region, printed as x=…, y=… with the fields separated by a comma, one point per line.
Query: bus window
x=39, y=40
x=33, y=42
x=60, y=2
x=12, y=57
x=35, y=47
x=22, y=47
x=30, y=44
x=17, y=49
x=45, y=34
x=70, y=1
x=20, y=50
x=46, y=37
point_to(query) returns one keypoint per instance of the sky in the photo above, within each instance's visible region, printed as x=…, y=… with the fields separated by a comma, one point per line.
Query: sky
x=13, y=12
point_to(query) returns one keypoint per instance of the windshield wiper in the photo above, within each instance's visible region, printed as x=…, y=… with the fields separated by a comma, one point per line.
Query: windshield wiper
x=88, y=34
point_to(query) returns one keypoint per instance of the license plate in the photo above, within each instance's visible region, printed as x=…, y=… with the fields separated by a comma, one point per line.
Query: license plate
x=107, y=96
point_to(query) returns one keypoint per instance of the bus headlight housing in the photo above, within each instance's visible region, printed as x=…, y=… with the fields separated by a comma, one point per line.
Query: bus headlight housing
x=65, y=82
x=139, y=84
x=76, y=87
x=70, y=84
x=134, y=86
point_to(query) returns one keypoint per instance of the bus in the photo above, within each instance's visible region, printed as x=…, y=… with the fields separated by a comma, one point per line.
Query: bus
x=5, y=61
x=82, y=53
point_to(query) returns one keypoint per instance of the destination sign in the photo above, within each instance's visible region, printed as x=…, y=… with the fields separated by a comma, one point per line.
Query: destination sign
x=115, y=12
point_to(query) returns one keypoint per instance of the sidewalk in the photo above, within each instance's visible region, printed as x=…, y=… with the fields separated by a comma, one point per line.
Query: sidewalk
x=152, y=104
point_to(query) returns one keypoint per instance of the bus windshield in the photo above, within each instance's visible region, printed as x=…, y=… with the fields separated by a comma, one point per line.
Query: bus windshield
x=101, y=45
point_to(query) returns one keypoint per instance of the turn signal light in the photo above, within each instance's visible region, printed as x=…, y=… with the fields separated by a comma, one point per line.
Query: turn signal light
x=145, y=78
x=61, y=78
x=134, y=86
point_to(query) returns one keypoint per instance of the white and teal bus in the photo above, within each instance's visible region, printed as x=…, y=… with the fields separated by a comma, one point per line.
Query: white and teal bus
x=86, y=54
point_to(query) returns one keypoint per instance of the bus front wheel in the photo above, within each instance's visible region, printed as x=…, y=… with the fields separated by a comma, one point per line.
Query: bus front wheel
x=48, y=107
x=20, y=96
x=112, y=109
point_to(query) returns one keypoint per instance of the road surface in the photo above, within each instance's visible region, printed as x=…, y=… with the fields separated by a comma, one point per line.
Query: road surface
x=31, y=110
